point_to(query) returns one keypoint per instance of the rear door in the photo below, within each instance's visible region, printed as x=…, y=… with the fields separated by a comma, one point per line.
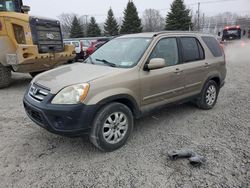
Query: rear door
x=194, y=65
x=166, y=84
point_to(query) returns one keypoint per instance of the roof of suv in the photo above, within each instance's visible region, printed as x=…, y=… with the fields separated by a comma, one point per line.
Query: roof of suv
x=154, y=34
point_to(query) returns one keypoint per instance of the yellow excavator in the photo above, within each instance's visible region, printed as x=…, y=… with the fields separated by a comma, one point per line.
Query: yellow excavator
x=29, y=44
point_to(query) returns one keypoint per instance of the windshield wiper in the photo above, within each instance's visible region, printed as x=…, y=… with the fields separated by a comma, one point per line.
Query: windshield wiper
x=89, y=59
x=106, y=62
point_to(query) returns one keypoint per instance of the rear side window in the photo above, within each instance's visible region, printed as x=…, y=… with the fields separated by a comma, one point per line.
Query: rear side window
x=191, y=49
x=213, y=46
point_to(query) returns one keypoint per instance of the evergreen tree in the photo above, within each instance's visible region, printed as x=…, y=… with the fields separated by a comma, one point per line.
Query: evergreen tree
x=131, y=22
x=178, y=18
x=111, y=27
x=93, y=29
x=76, y=30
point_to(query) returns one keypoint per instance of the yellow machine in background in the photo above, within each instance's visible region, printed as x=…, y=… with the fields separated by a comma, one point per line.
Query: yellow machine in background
x=28, y=44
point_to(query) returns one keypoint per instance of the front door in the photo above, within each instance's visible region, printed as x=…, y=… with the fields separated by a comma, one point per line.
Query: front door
x=166, y=84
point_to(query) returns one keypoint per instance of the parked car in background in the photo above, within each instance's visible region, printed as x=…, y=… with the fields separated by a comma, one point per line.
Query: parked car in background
x=124, y=79
x=93, y=47
x=97, y=44
x=78, y=48
x=81, y=45
x=76, y=44
x=85, y=44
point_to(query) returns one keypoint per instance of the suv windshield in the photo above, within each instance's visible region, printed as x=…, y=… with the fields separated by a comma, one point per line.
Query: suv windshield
x=120, y=52
x=8, y=6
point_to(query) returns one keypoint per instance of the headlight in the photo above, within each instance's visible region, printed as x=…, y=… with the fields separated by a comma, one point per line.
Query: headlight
x=72, y=94
x=19, y=34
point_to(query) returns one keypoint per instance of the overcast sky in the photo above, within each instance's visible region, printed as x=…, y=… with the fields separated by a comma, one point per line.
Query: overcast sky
x=98, y=8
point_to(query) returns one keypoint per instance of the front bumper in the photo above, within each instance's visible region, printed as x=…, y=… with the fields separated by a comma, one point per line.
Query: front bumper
x=28, y=59
x=65, y=120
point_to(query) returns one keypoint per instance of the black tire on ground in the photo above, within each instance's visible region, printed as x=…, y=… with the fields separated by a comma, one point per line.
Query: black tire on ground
x=208, y=96
x=104, y=127
x=5, y=76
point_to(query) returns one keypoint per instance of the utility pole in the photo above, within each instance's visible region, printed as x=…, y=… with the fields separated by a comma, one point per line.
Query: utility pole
x=203, y=21
x=199, y=16
x=85, y=23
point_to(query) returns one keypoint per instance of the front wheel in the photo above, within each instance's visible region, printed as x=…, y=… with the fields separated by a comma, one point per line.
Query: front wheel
x=5, y=76
x=112, y=127
x=209, y=95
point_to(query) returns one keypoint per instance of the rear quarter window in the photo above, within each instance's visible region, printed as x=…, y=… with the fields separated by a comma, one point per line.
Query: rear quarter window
x=191, y=49
x=213, y=46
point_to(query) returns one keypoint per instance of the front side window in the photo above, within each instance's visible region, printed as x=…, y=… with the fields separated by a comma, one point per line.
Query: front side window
x=8, y=6
x=120, y=52
x=167, y=49
x=191, y=49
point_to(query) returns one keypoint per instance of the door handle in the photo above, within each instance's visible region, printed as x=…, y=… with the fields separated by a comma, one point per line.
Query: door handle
x=178, y=71
x=206, y=65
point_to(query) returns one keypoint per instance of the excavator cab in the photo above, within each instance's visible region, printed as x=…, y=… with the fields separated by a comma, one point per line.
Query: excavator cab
x=13, y=6
x=10, y=6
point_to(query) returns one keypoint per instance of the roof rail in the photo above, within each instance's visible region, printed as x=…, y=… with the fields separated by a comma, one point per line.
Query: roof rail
x=170, y=31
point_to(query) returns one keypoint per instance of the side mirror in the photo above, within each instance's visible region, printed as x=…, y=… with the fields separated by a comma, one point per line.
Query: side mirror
x=25, y=9
x=155, y=63
x=219, y=34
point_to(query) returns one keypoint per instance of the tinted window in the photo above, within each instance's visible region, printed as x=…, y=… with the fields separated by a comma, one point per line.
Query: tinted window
x=168, y=50
x=191, y=49
x=213, y=46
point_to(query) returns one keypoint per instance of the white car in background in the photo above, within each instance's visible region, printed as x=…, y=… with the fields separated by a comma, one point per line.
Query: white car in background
x=74, y=43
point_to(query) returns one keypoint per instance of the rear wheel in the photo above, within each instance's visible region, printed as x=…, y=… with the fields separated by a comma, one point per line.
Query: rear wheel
x=112, y=127
x=208, y=97
x=5, y=76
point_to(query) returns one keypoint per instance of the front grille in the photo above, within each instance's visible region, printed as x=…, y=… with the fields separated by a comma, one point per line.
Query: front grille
x=46, y=34
x=38, y=93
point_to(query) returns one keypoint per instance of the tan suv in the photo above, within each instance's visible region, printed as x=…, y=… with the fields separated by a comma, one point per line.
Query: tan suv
x=123, y=79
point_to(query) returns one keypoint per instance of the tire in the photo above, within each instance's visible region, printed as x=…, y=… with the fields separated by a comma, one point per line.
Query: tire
x=107, y=135
x=209, y=95
x=5, y=76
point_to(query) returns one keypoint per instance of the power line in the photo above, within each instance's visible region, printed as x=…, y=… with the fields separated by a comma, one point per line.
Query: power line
x=208, y=2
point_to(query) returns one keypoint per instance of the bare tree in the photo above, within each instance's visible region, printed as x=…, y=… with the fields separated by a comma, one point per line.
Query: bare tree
x=152, y=21
x=66, y=20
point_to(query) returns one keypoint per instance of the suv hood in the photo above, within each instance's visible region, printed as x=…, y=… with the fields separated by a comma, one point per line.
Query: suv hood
x=77, y=73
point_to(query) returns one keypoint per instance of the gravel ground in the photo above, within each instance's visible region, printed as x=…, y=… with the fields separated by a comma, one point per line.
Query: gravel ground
x=32, y=157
